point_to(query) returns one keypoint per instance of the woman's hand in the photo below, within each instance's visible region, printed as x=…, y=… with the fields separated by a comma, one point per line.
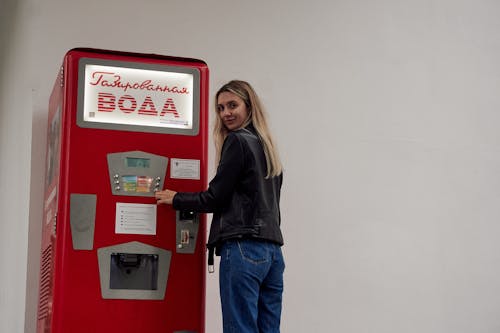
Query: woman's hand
x=165, y=196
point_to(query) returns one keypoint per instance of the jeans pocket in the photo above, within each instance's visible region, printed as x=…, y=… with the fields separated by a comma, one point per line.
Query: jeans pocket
x=253, y=251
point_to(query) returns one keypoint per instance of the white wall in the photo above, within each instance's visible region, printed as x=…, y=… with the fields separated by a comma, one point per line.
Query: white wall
x=386, y=113
x=15, y=153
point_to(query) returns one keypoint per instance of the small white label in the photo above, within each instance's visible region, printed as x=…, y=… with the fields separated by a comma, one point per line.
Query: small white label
x=184, y=236
x=184, y=169
x=137, y=219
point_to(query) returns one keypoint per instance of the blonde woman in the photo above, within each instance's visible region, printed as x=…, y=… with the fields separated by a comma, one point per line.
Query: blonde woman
x=244, y=197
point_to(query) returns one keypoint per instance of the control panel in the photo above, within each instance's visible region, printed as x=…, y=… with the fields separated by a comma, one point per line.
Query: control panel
x=136, y=173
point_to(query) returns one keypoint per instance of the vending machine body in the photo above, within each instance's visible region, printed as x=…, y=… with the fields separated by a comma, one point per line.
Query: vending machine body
x=121, y=126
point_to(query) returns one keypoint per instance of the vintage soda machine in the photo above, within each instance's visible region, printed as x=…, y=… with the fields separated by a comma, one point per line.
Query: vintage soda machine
x=121, y=126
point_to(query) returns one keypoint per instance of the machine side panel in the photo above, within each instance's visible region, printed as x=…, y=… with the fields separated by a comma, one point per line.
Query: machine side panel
x=50, y=208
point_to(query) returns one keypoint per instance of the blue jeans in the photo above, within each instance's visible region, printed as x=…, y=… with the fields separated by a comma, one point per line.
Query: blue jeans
x=251, y=286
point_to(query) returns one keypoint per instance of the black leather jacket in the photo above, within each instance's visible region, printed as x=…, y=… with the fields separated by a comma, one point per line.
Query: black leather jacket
x=245, y=204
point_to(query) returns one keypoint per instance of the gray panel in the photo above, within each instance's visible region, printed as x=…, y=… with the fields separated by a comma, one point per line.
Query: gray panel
x=135, y=128
x=187, y=225
x=82, y=220
x=121, y=173
x=104, y=257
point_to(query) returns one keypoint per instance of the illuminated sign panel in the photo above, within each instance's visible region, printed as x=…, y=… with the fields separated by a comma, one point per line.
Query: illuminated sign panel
x=138, y=97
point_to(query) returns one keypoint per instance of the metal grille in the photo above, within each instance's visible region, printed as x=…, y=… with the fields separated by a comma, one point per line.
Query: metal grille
x=45, y=282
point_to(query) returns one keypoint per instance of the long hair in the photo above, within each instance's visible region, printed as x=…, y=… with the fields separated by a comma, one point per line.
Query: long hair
x=257, y=117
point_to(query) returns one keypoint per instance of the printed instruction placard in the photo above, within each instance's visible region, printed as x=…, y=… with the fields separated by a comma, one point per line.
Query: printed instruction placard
x=137, y=219
x=184, y=169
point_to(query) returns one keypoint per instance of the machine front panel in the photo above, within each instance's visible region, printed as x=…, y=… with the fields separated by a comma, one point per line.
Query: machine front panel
x=124, y=263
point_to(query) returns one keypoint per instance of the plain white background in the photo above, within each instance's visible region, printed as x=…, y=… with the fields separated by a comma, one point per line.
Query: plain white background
x=387, y=117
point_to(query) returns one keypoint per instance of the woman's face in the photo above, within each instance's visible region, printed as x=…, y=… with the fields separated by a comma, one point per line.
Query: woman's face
x=232, y=110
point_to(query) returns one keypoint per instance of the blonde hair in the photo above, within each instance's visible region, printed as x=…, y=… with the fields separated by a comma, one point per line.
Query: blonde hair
x=257, y=117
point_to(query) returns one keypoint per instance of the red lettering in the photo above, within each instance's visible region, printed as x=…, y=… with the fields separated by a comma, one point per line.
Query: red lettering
x=132, y=104
x=148, y=107
x=115, y=80
x=106, y=102
x=169, y=107
x=98, y=76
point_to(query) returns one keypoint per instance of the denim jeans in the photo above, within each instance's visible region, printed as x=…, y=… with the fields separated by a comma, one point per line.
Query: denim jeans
x=251, y=286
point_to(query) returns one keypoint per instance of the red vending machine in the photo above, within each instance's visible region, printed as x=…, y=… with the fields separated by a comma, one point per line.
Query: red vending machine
x=121, y=126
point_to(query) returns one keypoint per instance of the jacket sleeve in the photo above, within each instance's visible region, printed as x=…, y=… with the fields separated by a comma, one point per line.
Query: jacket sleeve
x=221, y=187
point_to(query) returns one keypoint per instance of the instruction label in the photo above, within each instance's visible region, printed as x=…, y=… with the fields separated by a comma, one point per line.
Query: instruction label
x=184, y=169
x=137, y=219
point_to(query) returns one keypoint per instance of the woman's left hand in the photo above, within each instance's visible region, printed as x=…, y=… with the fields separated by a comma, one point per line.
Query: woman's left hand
x=165, y=196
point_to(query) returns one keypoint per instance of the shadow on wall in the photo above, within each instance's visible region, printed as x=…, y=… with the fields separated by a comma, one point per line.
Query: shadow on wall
x=8, y=13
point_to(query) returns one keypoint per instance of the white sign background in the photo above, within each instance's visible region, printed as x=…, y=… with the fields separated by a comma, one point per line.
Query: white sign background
x=140, y=84
x=135, y=219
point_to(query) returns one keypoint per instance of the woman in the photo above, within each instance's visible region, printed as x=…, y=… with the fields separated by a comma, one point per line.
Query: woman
x=244, y=198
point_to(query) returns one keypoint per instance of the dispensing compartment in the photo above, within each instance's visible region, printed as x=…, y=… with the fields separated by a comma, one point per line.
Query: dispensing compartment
x=133, y=271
